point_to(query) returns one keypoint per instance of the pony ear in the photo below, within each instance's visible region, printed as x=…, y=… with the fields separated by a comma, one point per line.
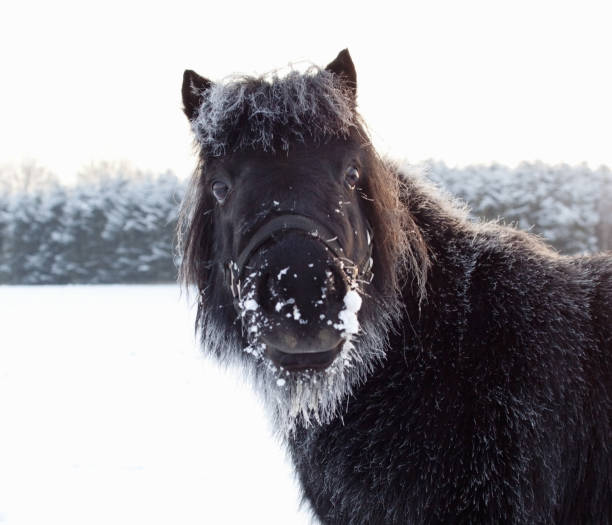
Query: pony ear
x=193, y=87
x=343, y=67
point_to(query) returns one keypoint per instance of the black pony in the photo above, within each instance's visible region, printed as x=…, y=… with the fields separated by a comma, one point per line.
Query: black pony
x=421, y=367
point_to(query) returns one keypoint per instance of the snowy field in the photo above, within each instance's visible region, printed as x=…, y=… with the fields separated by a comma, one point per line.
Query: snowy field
x=110, y=415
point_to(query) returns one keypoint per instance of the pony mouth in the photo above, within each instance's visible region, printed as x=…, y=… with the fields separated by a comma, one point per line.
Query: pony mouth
x=297, y=362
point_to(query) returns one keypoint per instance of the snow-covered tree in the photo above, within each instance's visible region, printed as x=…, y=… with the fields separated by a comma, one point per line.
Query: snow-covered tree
x=563, y=204
x=115, y=225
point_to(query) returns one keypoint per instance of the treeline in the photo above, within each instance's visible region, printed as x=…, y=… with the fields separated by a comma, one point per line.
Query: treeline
x=569, y=206
x=116, y=224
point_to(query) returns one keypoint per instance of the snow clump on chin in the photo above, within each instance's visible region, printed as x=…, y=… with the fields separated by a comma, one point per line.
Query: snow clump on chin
x=349, y=323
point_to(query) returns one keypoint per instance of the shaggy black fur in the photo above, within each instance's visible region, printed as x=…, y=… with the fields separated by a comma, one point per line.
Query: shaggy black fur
x=493, y=403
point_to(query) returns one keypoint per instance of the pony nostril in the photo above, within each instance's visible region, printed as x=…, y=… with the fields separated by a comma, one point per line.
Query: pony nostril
x=273, y=292
x=334, y=285
x=267, y=292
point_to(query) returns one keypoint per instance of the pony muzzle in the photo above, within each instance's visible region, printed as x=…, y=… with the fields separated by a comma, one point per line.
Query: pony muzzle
x=295, y=278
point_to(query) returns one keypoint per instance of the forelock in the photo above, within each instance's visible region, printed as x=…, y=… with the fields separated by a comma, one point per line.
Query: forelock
x=270, y=112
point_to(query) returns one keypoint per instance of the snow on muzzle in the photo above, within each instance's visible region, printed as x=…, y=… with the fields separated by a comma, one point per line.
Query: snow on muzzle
x=289, y=287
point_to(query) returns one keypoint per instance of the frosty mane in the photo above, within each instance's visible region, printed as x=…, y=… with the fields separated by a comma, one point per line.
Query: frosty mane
x=271, y=112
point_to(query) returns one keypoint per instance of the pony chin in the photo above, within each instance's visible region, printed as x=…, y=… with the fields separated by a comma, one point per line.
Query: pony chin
x=301, y=398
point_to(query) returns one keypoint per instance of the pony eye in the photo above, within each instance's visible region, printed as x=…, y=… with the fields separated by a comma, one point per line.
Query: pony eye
x=351, y=176
x=220, y=190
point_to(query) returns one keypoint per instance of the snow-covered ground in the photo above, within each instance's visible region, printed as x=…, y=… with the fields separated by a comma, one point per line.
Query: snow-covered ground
x=110, y=415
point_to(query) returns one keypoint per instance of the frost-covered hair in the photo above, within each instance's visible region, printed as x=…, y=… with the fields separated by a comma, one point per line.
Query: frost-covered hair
x=270, y=112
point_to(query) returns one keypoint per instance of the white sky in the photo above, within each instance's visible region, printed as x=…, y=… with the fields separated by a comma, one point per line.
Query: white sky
x=462, y=82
